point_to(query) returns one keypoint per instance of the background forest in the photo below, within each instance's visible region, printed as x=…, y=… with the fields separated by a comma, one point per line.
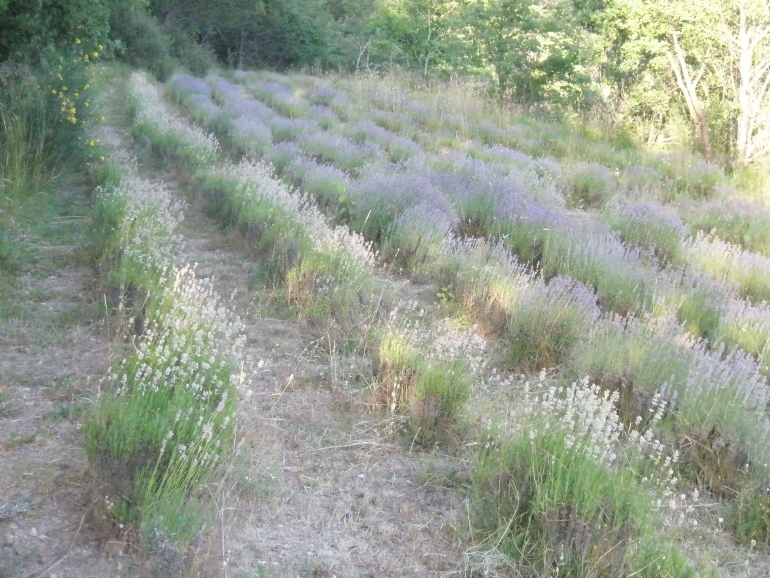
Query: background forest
x=668, y=72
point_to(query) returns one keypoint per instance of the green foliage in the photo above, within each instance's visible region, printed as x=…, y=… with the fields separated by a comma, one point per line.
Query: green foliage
x=42, y=116
x=735, y=220
x=30, y=28
x=751, y=517
x=139, y=40
x=542, y=332
x=266, y=33
x=418, y=33
x=535, y=52
x=431, y=392
x=588, y=185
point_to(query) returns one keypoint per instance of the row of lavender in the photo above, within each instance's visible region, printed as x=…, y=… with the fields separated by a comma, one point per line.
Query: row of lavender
x=635, y=215
x=546, y=323
x=326, y=271
x=493, y=278
x=495, y=198
x=164, y=426
x=442, y=223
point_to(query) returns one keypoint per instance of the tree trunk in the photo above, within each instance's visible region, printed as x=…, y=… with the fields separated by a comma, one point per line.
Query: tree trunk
x=753, y=83
x=689, y=88
x=240, y=50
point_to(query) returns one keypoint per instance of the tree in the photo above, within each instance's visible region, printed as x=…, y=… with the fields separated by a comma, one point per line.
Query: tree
x=715, y=53
x=748, y=43
x=422, y=30
x=30, y=27
x=269, y=33
x=537, y=51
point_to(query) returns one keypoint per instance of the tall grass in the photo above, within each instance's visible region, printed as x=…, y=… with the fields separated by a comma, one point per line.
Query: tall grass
x=42, y=114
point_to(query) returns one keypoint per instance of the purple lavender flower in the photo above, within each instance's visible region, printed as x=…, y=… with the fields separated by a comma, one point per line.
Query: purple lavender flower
x=281, y=155
x=323, y=115
x=292, y=128
x=331, y=147
x=399, y=148
x=588, y=184
x=251, y=135
x=189, y=84
x=324, y=95
x=384, y=193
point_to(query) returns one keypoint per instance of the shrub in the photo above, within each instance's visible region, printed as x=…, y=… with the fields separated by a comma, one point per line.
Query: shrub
x=547, y=322
x=431, y=392
x=588, y=185
x=651, y=227
x=734, y=220
x=42, y=116
x=555, y=503
x=176, y=396
x=748, y=273
x=194, y=57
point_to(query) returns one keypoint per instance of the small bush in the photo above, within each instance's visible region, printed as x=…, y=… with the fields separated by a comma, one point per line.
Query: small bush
x=747, y=273
x=548, y=322
x=734, y=220
x=692, y=178
x=554, y=501
x=431, y=392
x=588, y=185
x=649, y=226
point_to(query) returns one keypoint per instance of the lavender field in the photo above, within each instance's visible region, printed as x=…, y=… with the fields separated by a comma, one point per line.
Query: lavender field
x=594, y=349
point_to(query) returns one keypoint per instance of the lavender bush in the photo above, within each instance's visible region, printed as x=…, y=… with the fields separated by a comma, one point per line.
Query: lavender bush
x=335, y=149
x=588, y=185
x=649, y=226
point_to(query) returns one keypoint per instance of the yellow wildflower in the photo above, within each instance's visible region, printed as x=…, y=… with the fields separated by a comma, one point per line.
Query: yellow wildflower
x=77, y=40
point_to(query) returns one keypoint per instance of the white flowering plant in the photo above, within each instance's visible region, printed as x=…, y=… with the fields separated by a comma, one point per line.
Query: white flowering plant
x=557, y=495
x=165, y=422
x=168, y=419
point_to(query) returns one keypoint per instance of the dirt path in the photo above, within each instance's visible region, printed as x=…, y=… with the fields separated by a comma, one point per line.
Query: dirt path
x=323, y=489
x=54, y=349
